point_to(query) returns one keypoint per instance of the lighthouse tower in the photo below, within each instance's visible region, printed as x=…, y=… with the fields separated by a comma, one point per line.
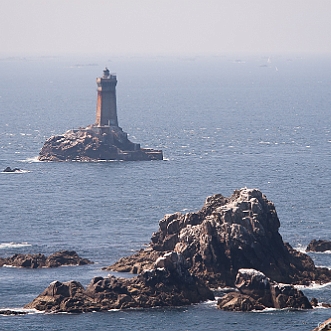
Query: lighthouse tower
x=106, y=113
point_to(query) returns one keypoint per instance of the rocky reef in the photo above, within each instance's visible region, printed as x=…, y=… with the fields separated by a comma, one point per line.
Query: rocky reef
x=228, y=234
x=168, y=283
x=319, y=246
x=95, y=143
x=33, y=261
x=255, y=291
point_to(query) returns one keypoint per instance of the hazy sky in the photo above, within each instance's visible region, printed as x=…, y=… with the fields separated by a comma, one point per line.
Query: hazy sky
x=164, y=26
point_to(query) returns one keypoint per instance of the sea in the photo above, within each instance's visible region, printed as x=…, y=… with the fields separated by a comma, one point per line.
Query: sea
x=223, y=122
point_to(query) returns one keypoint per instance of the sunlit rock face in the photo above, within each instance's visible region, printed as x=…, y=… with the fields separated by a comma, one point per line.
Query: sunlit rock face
x=93, y=144
x=227, y=234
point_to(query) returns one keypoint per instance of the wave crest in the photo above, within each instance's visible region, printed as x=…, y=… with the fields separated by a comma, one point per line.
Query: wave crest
x=14, y=245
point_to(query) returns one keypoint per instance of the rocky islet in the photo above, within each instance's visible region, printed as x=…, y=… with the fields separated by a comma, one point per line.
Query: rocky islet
x=103, y=140
x=34, y=261
x=90, y=144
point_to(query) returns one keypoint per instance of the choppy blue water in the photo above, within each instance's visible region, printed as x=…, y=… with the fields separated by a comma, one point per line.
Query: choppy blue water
x=222, y=122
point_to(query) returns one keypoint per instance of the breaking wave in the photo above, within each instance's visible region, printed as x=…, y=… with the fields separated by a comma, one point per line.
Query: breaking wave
x=15, y=172
x=14, y=245
x=20, y=310
x=31, y=160
x=312, y=286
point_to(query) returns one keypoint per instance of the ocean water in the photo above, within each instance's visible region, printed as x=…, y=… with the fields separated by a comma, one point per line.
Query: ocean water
x=223, y=122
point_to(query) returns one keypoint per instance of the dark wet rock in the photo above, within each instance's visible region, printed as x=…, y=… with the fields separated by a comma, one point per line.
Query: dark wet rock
x=314, y=302
x=25, y=260
x=95, y=143
x=319, y=246
x=255, y=291
x=325, y=326
x=33, y=261
x=65, y=257
x=12, y=312
x=9, y=169
x=168, y=283
x=228, y=234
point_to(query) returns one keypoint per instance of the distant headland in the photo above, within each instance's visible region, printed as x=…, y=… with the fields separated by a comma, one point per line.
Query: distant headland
x=104, y=140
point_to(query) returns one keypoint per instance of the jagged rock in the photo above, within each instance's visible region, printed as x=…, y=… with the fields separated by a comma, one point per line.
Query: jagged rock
x=319, y=246
x=257, y=292
x=325, y=326
x=136, y=263
x=33, y=261
x=168, y=283
x=228, y=234
x=94, y=143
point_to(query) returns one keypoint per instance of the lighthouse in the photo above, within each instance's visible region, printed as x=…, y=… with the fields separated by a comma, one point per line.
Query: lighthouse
x=106, y=113
x=103, y=140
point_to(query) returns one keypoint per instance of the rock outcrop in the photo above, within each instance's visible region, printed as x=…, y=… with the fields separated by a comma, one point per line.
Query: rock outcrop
x=168, y=283
x=33, y=261
x=255, y=291
x=228, y=234
x=319, y=246
x=9, y=169
x=95, y=143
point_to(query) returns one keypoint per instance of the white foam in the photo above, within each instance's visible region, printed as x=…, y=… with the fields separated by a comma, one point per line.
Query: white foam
x=312, y=286
x=267, y=310
x=20, y=171
x=31, y=160
x=320, y=306
x=24, y=310
x=301, y=249
x=14, y=245
x=325, y=252
x=211, y=303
